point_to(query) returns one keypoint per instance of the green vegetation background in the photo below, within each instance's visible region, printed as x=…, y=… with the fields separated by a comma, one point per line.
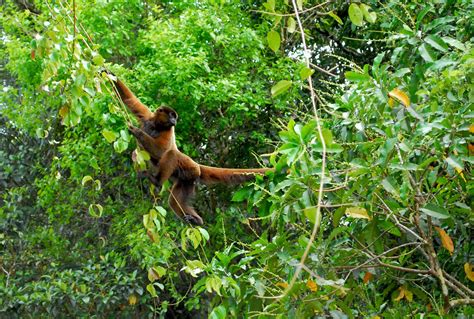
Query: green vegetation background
x=81, y=235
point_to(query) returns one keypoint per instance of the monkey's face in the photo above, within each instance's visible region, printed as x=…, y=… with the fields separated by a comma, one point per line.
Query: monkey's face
x=165, y=117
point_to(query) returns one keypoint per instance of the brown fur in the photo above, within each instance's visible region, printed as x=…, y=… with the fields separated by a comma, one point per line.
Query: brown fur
x=156, y=136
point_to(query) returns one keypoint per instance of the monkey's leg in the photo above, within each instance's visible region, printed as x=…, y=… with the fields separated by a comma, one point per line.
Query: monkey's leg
x=181, y=194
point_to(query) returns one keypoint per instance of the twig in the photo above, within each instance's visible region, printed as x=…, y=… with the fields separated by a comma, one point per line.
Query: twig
x=459, y=302
x=323, y=165
x=294, y=14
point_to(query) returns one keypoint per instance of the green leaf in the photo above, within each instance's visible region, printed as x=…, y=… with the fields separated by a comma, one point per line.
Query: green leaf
x=454, y=43
x=274, y=40
x=327, y=135
x=151, y=289
x=390, y=186
x=305, y=72
x=299, y=3
x=291, y=25
x=109, y=135
x=219, y=312
x=85, y=179
x=204, y=233
x=370, y=17
x=240, y=195
x=310, y=213
x=98, y=60
x=335, y=17
x=95, y=210
x=120, y=145
x=426, y=53
x=435, y=211
x=356, y=76
x=270, y=5
x=437, y=43
x=454, y=163
x=356, y=15
x=281, y=87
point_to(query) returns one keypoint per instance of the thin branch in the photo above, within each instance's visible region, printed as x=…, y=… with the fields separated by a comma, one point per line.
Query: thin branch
x=460, y=302
x=294, y=14
x=323, y=164
x=458, y=283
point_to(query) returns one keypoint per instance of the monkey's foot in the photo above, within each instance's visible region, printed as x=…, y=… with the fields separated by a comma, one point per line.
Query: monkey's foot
x=193, y=219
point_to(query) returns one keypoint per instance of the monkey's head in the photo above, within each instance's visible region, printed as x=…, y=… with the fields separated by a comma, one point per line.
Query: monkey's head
x=165, y=117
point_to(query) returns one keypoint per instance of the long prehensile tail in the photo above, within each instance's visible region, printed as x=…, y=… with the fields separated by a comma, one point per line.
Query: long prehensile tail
x=212, y=175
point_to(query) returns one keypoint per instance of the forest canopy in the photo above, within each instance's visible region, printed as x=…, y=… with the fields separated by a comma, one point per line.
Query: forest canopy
x=364, y=109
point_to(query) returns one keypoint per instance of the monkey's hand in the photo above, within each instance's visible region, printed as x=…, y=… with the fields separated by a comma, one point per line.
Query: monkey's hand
x=192, y=220
x=135, y=131
x=103, y=72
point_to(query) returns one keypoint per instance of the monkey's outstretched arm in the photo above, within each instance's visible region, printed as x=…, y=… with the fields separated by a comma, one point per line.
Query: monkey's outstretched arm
x=139, y=109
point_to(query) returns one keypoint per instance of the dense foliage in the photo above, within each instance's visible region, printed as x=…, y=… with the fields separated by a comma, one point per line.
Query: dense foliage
x=384, y=130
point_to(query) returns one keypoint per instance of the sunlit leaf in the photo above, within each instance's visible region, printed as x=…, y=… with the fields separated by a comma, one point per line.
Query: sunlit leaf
x=270, y=5
x=95, y=210
x=109, y=135
x=356, y=15
x=310, y=213
x=291, y=25
x=357, y=212
x=305, y=72
x=445, y=240
x=280, y=87
x=370, y=17
x=401, y=96
x=86, y=179
x=335, y=17
x=151, y=289
x=274, y=40
x=356, y=76
x=299, y=4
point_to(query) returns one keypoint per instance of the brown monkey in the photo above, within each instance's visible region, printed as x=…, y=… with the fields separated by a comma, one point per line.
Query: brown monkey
x=156, y=136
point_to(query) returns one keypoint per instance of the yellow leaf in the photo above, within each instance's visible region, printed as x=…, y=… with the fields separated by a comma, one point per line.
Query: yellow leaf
x=367, y=277
x=132, y=300
x=470, y=147
x=400, y=96
x=446, y=240
x=468, y=269
x=401, y=294
x=408, y=295
x=404, y=293
x=312, y=285
x=391, y=102
x=283, y=285
x=63, y=111
x=471, y=128
x=376, y=317
x=153, y=275
x=357, y=212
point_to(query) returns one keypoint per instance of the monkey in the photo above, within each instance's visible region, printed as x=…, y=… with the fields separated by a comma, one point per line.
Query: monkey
x=156, y=135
